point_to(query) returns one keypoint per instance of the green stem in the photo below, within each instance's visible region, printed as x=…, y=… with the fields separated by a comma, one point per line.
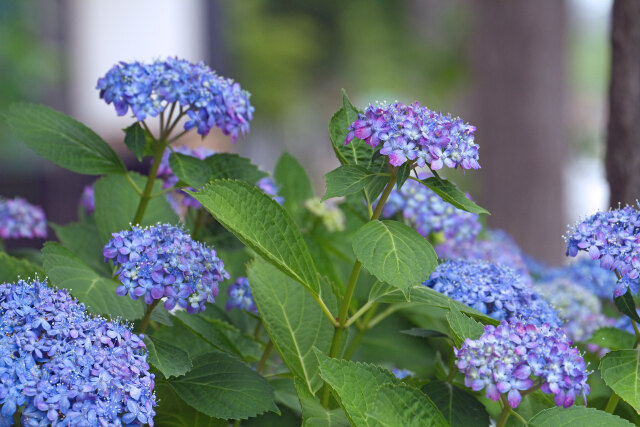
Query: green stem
x=612, y=403
x=637, y=332
x=265, y=356
x=506, y=411
x=361, y=331
x=518, y=416
x=452, y=373
x=146, y=193
x=147, y=316
x=237, y=423
x=133, y=184
x=256, y=331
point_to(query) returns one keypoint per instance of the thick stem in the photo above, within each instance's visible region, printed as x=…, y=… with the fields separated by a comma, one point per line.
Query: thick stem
x=637, y=332
x=265, y=356
x=147, y=316
x=612, y=403
x=506, y=411
x=151, y=179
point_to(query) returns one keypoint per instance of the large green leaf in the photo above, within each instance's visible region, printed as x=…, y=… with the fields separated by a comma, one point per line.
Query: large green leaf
x=191, y=170
x=620, y=371
x=450, y=193
x=372, y=396
x=135, y=139
x=232, y=166
x=223, y=387
x=174, y=412
x=293, y=320
x=62, y=139
x=463, y=326
x=117, y=202
x=12, y=268
x=613, y=339
x=348, y=179
x=316, y=415
x=66, y=270
x=172, y=361
x=294, y=185
x=576, y=416
x=460, y=408
x=263, y=225
x=185, y=338
x=395, y=253
x=83, y=239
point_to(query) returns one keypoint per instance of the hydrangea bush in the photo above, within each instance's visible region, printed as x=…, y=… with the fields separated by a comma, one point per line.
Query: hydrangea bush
x=209, y=292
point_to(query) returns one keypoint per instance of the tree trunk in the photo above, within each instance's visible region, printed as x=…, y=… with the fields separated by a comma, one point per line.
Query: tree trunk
x=623, y=131
x=519, y=65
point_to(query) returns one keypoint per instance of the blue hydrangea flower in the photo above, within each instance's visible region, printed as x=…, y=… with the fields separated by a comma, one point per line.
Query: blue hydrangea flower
x=65, y=367
x=497, y=291
x=415, y=133
x=20, y=219
x=514, y=357
x=401, y=373
x=586, y=273
x=425, y=211
x=208, y=99
x=88, y=199
x=269, y=187
x=240, y=296
x=613, y=237
x=163, y=261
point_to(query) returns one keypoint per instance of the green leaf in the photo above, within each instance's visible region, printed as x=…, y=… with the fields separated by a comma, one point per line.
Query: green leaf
x=372, y=396
x=185, y=338
x=348, y=179
x=460, y=408
x=66, y=270
x=293, y=320
x=117, y=202
x=172, y=361
x=316, y=415
x=613, y=339
x=12, y=268
x=189, y=169
x=403, y=174
x=223, y=387
x=294, y=185
x=627, y=306
x=619, y=370
x=232, y=166
x=83, y=239
x=394, y=253
x=424, y=333
x=357, y=152
x=62, y=140
x=463, y=326
x=576, y=416
x=174, y=412
x=135, y=139
x=263, y=225
x=450, y=193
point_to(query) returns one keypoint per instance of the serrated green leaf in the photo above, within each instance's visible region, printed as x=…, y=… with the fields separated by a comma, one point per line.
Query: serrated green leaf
x=174, y=412
x=232, y=166
x=117, y=202
x=191, y=170
x=172, y=361
x=451, y=194
x=135, y=138
x=394, y=253
x=372, y=396
x=424, y=333
x=263, y=225
x=294, y=185
x=576, y=416
x=620, y=370
x=627, y=306
x=613, y=339
x=460, y=408
x=83, y=239
x=223, y=387
x=12, y=268
x=185, y=338
x=66, y=270
x=463, y=326
x=348, y=179
x=293, y=320
x=285, y=393
x=403, y=174
x=316, y=415
x=62, y=140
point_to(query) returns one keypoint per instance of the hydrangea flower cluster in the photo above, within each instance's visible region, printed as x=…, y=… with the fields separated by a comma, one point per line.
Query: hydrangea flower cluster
x=88, y=199
x=586, y=273
x=497, y=291
x=269, y=187
x=21, y=219
x=163, y=261
x=580, y=309
x=331, y=216
x=65, y=367
x=240, y=296
x=208, y=99
x=505, y=358
x=412, y=132
x=425, y=211
x=613, y=237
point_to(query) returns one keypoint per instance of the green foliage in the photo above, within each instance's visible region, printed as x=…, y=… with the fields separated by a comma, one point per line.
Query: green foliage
x=12, y=268
x=620, y=370
x=135, y=139
x=451, y=194
x=613, y=339
x=394, y=253
x=294, y=185
x=172, y=361
x=263, y=225
x=576, y=416
x=293, y=319
x=463, y=326
x=460, y=408
x=62, y=139
x=349, y=179
x=83, y=240
x=627, y=306
x=172, y=411
x=191, y=170
x=316, y=415
x=196, y=172
x=181, y=336
x=66, y=270
x=222, y=387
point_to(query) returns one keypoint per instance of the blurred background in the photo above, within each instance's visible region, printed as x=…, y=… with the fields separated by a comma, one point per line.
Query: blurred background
x=532, y=76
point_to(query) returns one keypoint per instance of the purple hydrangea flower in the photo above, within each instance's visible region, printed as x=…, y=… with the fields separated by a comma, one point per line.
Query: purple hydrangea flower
x=208, y=99
x=269, y=187
x=240, y=296
x=163, y=261
x=20, y=219
x=401, y=373
x=425, y=211
x=515, y=357
x=412, y=132
x=67, y=368
x=613, y=238
x=497, y=291
x=88, y=200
